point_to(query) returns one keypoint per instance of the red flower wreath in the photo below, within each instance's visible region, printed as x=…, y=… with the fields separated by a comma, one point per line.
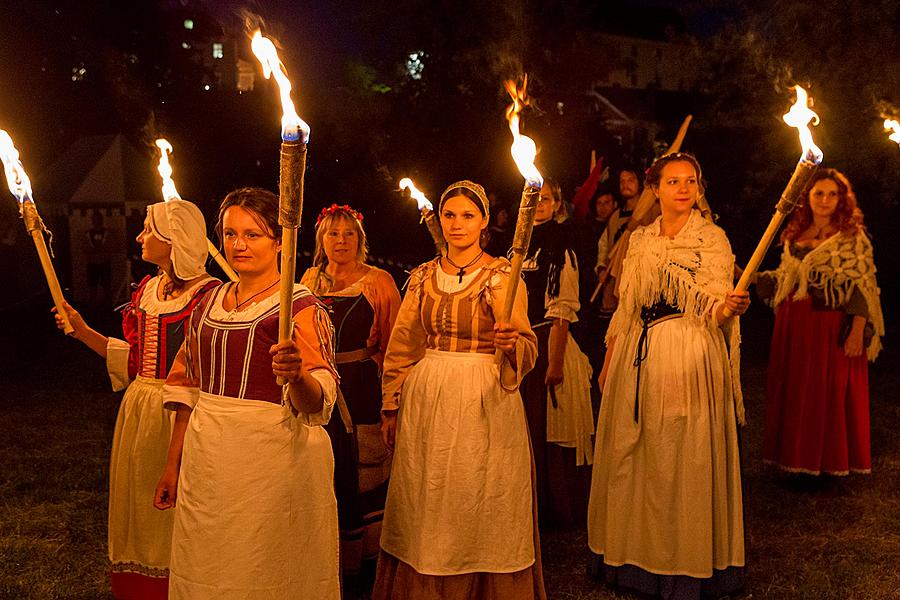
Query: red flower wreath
x=334, y=208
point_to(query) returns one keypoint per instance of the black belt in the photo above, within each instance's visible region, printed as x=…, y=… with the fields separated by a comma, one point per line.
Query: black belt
x=650, y=316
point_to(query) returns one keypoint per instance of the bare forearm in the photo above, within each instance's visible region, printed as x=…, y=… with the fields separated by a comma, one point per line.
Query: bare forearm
x=176, y=443
x=556, y=345
x=306, y=394
x=93, y=339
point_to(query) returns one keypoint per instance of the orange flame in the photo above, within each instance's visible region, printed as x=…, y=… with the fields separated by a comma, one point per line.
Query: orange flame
x=292, y=126
x=422, y=202
x=523, y=149
x=165, y=171
x=799, y=116
x=893, y=125
x=16, y=177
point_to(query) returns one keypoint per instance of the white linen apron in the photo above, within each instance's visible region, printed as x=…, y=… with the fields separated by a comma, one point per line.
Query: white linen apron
x=460, y=496
x=255, y=515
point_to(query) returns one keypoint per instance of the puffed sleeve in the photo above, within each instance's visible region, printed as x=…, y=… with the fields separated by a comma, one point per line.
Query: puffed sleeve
x=117, y=352
x=405, y=348
x=182, y=388
x=384, y=297
x=602, y=250
x=526, y=345
x=314, y=336
x=566, y=305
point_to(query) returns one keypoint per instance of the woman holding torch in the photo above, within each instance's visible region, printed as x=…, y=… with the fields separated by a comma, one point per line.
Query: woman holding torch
x=140, y=538
x=364, y=301
x=460, y=514
x=827, y=323
x=665, y=513
x=250, y=468
x=557, y=392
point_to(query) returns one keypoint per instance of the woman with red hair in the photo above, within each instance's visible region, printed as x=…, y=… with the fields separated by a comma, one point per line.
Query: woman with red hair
x=827, y=323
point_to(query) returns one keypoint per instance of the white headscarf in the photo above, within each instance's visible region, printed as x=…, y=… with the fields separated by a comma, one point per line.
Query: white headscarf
x=181, y=224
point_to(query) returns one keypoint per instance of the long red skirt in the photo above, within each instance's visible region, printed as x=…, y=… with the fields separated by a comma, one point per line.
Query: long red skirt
x=817, y=412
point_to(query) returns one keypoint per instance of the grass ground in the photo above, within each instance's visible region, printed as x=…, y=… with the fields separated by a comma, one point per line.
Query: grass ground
x=829, y=539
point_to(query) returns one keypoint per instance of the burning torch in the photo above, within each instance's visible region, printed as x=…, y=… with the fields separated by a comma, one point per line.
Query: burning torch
x=20, y=186
x=169, y=192
x=799, y=116
x=427, y=210
x=523, y=152
x=294, y=137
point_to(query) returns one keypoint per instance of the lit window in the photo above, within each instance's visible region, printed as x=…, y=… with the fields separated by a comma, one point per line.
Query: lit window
x=218, y=51
x=415, y=64
x=188, y=24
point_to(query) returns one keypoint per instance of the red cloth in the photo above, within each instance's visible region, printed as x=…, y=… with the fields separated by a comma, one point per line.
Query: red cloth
x=134, y=586
x=817, y=412
x=131, y=328
x=582, y=199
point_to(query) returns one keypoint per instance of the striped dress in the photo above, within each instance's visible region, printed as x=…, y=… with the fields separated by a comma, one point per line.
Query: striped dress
x=459, y=520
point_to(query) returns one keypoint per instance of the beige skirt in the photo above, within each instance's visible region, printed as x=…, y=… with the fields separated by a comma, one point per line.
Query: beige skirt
x=140, y=536
x=666, y=489
x=256, y=515
x=460, y=497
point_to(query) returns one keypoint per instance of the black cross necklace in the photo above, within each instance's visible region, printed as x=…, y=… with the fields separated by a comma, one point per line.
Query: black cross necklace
x=462, y=269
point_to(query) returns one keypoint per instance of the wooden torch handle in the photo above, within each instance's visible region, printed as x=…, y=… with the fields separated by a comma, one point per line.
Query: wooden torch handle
x=220, y=260
x=35, y=227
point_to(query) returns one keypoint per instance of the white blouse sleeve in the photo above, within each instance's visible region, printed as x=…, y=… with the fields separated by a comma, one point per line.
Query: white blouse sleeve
x=566, y=305
x=117, y=363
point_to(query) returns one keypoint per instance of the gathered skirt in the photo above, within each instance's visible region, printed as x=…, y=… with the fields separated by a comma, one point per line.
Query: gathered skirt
x=666, y=488
x=255, y=516
x=459, y=518
x=817, y=409
x=139, y=536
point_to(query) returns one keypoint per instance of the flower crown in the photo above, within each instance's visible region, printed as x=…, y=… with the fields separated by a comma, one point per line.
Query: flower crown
x=334, y=209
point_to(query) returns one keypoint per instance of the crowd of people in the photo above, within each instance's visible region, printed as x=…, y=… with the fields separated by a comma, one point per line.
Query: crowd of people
x=421, y=443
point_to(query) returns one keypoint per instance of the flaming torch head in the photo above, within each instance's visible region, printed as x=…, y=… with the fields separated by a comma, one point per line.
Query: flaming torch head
x=523, y=148
x=169, y=191
x=293, y=128
x=799, y=116
x=422, y=202
x=16, y=177
x=894, y=126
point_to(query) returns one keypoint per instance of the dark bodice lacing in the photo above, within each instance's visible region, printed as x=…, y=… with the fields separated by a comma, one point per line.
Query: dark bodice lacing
x=650, y=316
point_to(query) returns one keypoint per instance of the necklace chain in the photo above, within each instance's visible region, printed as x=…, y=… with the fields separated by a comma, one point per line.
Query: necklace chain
x=238, y=304
x=462, y=269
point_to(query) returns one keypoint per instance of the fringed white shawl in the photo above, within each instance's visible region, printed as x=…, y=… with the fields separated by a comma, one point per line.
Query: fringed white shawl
x=692, y=271
x=837, y=266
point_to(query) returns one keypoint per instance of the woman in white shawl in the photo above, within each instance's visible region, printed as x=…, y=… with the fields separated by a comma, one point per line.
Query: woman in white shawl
x=665, y=514
x=827, y=323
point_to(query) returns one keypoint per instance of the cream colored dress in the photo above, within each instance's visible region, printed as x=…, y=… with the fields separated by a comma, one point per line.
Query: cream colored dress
x=666, y=487
x=460, y=496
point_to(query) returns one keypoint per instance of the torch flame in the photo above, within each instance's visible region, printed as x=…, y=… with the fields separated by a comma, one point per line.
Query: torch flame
x=423, y=202
x=523, y=149
x=799, y=116
x=16, y=177
x=292, y=126
x=893, y=125
x=165, y=171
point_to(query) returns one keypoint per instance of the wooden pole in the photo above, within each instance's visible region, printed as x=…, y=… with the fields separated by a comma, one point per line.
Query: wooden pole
x=521, y=241
x=220, y=260
x=789, y=200
x=645, y=204
x=434, y=228
x=293, y=166
x=35, y=226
